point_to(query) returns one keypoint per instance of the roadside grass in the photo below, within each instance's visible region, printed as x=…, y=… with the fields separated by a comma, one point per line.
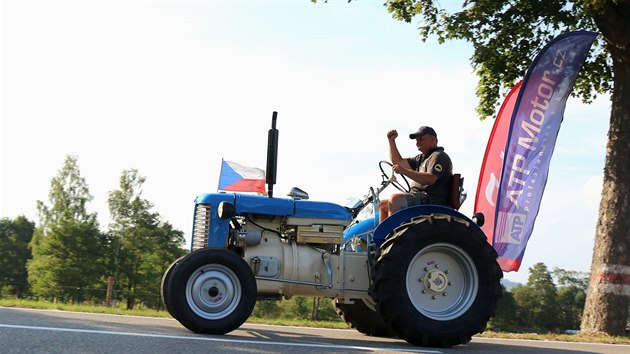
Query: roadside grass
x=299, y=322
x=602, y=338
x=33, y=304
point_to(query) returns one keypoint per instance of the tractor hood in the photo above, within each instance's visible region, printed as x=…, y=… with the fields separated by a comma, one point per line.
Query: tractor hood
x=255, y=204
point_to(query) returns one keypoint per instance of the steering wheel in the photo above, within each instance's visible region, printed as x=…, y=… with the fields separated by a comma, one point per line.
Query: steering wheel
x=395, y=182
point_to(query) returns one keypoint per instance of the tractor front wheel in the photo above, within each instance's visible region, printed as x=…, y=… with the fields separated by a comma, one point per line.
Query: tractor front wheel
x=211, y=291
x=164, y=284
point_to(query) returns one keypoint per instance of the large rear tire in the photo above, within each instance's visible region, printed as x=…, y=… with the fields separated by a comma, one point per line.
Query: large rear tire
x=363, y=318
x=436, y=281
x=211, y=291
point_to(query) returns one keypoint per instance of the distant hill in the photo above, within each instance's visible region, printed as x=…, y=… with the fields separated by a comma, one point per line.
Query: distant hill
x=509, y=284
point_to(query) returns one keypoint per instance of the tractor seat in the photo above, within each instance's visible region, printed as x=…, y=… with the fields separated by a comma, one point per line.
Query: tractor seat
x=456, y=196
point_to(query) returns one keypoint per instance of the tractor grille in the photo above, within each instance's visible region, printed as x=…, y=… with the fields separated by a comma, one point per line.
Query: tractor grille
x=201, y=227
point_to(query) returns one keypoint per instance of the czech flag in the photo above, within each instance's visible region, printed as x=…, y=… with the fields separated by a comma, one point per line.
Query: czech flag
x=235, y=177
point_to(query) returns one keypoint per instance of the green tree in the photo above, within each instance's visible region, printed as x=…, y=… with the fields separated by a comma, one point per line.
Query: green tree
x=505, y=37
x=15, y=235
x=267, y=309
x=522, y=296
x=505, y=319
x=67, y=263
x=571, y=297
x=323, y=310
x=570, y=278
x=144, y=245
x=537, y=301
x=571, y=301
x=300, y=307
x=67, y=247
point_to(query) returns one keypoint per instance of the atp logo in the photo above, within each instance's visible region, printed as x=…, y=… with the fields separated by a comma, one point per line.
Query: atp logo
x=514, y=227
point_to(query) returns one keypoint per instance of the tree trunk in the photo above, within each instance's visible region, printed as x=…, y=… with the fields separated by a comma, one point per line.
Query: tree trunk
x=130, y=295
x=315, y=311
x=108, y=293
x=608, y=294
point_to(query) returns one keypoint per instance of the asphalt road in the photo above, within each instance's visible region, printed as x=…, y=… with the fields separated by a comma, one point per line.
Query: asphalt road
x=46, y=331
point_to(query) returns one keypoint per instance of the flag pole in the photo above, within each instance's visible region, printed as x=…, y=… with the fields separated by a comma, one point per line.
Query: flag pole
x=220, y=174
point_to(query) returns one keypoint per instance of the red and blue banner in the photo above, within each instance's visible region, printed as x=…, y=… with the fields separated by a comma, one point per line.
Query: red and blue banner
x=235, y=177
x=531, y=138
x=490, y=174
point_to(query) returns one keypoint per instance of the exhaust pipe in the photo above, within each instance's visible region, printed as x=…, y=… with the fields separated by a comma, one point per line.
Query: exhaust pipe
x=272, y=155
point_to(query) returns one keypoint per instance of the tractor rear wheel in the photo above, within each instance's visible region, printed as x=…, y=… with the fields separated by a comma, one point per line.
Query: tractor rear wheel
x=363, y=318
x=436, y=281
x=211, y=291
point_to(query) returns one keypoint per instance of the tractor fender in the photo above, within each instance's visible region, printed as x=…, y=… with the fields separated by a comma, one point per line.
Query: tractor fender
x=406, y=214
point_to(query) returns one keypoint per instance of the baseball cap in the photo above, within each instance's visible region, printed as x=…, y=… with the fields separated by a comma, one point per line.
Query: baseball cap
x=423, y=130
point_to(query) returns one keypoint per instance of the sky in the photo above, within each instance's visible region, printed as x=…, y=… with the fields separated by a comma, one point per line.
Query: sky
x=172, y=87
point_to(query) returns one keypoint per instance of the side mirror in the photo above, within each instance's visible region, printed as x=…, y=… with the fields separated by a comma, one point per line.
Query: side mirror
x=297, y=193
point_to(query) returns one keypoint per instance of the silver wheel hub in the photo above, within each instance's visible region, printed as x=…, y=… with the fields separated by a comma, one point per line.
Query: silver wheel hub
x=435, y=281
x=213, y=291
x=442, y=281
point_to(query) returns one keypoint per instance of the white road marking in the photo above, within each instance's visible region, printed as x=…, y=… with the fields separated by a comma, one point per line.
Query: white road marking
x=224, y=340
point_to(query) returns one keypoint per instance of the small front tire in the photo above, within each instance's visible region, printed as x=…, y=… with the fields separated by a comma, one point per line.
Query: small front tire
x=212, y=291
x=164, y=284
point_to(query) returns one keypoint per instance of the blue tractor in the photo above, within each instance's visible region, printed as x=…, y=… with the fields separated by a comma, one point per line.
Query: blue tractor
x=426, y=274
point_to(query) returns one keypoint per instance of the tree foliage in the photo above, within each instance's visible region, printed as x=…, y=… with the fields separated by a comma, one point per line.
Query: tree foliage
x=67, y=247
x=267, y=309
x=571, y=296
x=68, y=196
x=568, y=278
x=537, y=301
x=144, y=245
x=570, y=306
x=504, y=320
x=304, y=308
x=15, y=235
x=67, y=263
x=506, y=36
x=542, y=304
x=67, y=257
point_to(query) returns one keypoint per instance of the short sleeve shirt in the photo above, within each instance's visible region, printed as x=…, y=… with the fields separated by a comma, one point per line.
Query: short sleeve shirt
x=437, y=163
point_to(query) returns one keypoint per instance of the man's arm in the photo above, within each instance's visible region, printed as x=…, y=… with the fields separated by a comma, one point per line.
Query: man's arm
x=394, y=154
x=420, y=177
x=437, y=165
